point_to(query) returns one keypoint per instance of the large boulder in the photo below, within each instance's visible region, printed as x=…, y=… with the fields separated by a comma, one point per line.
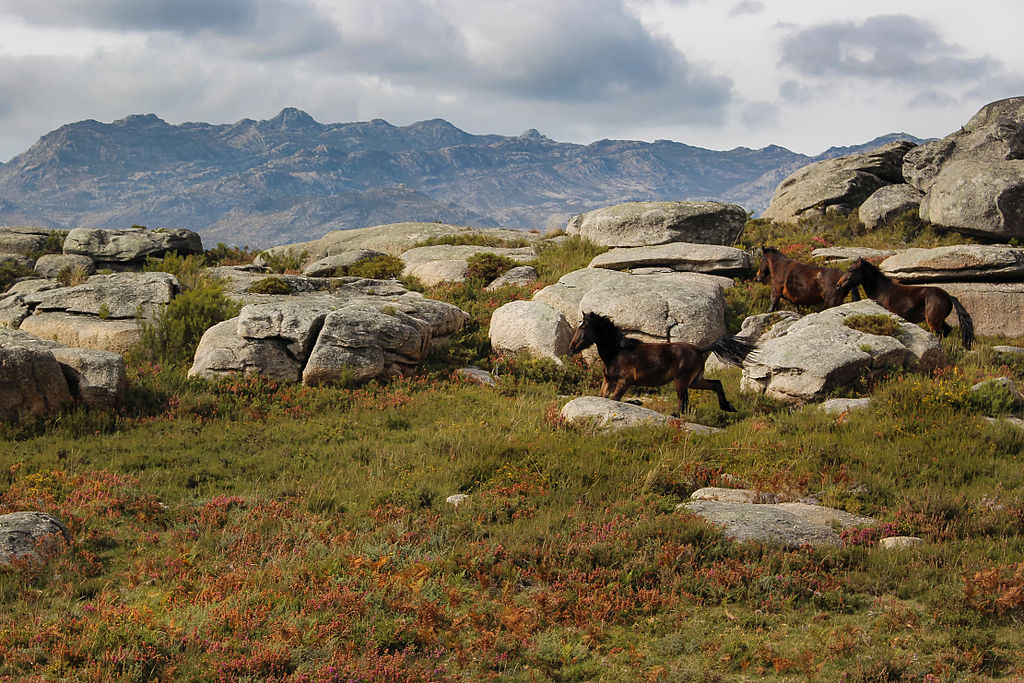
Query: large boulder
x=638, y=224
x=95, y=378
x=32, y=383
x=31, y=537
x=978, y=197
x=612, y=415
x=677, y=256
x=51, y=265
x=956, y=262
x=114, y=296
x=888, y=203
x=996, y=308
x=341, y=335
x=131, y=246
x=661, y=307
x=994, y=134
x=840, y=184
x=530, y=326
x=23, y=240
x=819, y=353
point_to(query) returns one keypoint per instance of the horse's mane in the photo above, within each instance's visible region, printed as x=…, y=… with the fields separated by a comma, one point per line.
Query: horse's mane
x=606, y=328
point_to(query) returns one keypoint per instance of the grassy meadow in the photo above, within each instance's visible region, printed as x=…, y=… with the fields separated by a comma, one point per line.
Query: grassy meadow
x=244, y=530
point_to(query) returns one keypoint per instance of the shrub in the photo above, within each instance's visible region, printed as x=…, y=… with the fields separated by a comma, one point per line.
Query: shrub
x=875, y=323
x=555, y=259
x=285, y=260
x=190, y=269
x=485, y=267
x=992, y=398
x=11, y=271
x=178, y=327
x=270, y=285
x=382, y=267
x=223, y=255
x=70, y=276
x=54, y=244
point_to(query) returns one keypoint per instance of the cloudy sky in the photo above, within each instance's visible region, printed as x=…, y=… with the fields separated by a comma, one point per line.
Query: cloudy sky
x=805, y=74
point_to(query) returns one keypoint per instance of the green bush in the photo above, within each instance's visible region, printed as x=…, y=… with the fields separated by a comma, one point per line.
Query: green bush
x=485, y=266
x=284, y=261
x=190, y=269
x=381, y=267
x=178, y=327
x=875, y=323
x=992, y=398
x=69, y=276
x=270, y=285
x=11, y=271
x=223, y=255
x=475, y=239
x=54, y=244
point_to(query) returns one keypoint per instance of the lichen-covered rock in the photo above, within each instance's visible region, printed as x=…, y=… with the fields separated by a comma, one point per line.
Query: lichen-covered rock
x=114, y=296
x=84, y=331
x=956, y=262
x=994, y=134
x=788, y=524
x=520, y=276
x=978, y=197
x=31, y=537
x=222, y=352
x=661, y=307
x=678, y=256
x=888, y=203
x=51, y=265
x=996, y=308
x=530, y=326
x=131, y=245
x=841, y=184
x=818, y=353
x=329, y=265
x=32, y=383
x=638, y=224
x=23, y=240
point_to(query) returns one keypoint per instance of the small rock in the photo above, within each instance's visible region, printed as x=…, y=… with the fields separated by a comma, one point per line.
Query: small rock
x=520, y=276
x=843, y=405
x=1008, y=349
x=733, y=495
x=899, y=542
x=1000, y=384
x=31, y=536
x=457, y=499
x=477, y=375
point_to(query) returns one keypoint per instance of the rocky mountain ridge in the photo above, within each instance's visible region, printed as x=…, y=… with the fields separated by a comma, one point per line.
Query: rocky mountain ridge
x=291, y=178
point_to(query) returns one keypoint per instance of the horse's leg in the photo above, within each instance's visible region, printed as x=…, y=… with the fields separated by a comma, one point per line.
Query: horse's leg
x=683, y=394
x=715, y=386
x=774, y=302
x=605, y=386
x=620, y=388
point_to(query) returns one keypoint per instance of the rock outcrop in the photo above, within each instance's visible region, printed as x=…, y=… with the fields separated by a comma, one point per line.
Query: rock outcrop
x=818, y=353
x=637, y=224
x=839, y=185
x=888, y=203
x=677, y=256
x=130, y=247
x=530, y=326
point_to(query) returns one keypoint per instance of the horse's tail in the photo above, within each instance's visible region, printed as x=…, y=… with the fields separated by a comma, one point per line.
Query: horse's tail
x=964, y=319
x=730, y=349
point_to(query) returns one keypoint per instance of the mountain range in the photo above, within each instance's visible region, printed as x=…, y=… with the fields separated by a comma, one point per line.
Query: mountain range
x=290, y=178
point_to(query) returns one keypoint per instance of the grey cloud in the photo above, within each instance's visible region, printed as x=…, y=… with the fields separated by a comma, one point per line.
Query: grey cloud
x=185, y=16
x=745, y=7
x=930, y=98
x=895, y=47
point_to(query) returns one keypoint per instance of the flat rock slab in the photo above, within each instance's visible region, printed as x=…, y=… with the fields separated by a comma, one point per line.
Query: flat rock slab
x=132, y=245
x=733, y=495
x=838, y=406
x=638, y=224
x=118, y=295
x=678, y=256
x=958, y=263
x=834, y=255
x=789, y=524
x=329, y=265
x=31, y=537
x=85, y=331
x=22, y=240
x=609, y=414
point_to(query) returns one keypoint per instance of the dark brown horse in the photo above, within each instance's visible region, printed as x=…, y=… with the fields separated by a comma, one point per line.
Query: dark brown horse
x=917, y=304
x=629, y=362
x=799, y=282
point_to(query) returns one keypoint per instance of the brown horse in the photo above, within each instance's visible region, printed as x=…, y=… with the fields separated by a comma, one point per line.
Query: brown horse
x=799, y=282
x=629, y=362
x=916, y=304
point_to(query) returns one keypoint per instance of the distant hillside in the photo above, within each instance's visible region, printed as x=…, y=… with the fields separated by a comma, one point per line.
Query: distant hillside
x=291, y=178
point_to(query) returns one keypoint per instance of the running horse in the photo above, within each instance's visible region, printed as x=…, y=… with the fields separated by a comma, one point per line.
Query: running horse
x=629, y=362
x=917, y=304
x=801, y=283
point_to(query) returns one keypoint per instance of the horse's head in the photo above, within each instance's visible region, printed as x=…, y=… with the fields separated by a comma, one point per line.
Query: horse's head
x=764, y=271
x=854, y=277
x=586, y=333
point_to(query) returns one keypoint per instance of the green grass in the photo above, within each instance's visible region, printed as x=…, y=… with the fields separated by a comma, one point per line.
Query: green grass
x=249, y=530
